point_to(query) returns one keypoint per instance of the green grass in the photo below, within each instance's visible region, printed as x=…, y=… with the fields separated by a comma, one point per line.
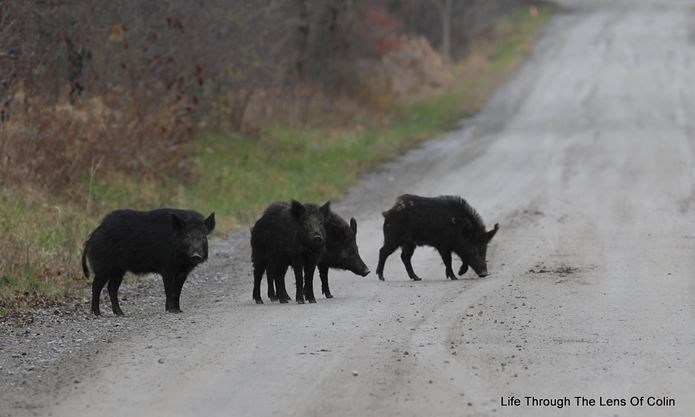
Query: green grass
x=513, y=49
x=40, y=247
x=241, y=176
x=235, y=176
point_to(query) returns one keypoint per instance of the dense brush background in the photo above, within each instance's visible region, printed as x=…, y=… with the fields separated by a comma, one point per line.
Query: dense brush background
x=219, y=105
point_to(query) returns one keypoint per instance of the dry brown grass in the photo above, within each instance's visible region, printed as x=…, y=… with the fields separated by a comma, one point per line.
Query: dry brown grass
x=54, y=146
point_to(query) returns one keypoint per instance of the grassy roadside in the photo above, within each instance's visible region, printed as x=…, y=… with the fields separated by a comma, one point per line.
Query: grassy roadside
x=41, y=236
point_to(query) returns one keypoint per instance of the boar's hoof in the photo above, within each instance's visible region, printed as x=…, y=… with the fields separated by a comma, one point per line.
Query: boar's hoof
x=300, y=300
x=118, y=312
x=311, y=300
x=381, y=277
x=259, y=301
x=416, y=278
x=284, y=300
x=96, y=313
x=273, y=299
x=328, y=295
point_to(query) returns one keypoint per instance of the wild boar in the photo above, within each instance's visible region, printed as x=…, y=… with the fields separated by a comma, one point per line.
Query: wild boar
x=288, y=235
x=447, y=223
x=169, y=242
x=341, y=250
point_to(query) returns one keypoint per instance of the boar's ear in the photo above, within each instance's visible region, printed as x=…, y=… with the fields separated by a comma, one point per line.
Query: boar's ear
x=326, y=210
x=178, y=222
x=297, y=209
x=353, y=225
x=210, y=222
x=489, y=235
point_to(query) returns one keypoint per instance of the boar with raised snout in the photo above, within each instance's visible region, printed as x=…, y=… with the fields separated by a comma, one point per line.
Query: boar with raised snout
x=288, y=235
x=341, y=251
x=169, y=242
x=447, y=223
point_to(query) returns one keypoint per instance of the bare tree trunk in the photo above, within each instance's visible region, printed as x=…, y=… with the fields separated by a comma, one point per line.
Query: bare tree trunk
x=303, y=29
x=445, y=8
x=302, y=39
x=446, y=28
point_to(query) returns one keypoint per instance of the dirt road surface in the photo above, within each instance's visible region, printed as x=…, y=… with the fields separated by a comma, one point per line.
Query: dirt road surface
x=586, y=161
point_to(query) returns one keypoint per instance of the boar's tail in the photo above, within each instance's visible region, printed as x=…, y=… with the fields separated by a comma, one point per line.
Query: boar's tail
x=85, y=269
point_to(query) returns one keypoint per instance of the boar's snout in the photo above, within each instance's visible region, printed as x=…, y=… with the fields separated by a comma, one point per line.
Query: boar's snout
x=197, y=258
x=358, y=267
x=483, y=273
x=317, y=239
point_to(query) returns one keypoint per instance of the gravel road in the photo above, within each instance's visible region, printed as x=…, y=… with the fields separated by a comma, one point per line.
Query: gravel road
x=586, y=161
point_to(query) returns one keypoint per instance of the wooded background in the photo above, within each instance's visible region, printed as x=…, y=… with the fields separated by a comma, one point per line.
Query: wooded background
x=122, y=84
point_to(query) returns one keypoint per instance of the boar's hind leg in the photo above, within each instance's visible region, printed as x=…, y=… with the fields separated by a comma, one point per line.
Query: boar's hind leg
x=114, y=283
x=276, y=278
x=323, y=273
x=100, y=280
x=446, y=258
x=258, y=269
x=272, y=295
x=283, y=297
x=384, y=253
x=407, y=251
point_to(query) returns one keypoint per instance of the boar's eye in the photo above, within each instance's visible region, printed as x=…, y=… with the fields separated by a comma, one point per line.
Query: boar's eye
x=188, y=236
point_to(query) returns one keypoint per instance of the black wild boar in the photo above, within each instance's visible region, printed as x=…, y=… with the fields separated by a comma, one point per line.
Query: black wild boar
x=288, y=235
x=341, y=250
x=168, y=242
x=447, y=223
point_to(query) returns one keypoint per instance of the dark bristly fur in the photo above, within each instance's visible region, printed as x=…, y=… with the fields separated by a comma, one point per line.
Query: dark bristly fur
x=288, y=235
x=169, y=242
x=447, y=223
x=341, y=250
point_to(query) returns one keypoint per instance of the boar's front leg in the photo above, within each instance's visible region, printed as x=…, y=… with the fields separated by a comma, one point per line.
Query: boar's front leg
x=446, y=258
x=168, y=278
x=176, y=296
x=309, y=268
x=407, y=251
x=297, y=265
x=384, y=253
x=323, y=273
